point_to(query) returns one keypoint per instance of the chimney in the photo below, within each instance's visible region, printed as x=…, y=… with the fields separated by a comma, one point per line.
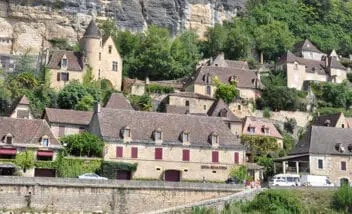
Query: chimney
x=97, y=107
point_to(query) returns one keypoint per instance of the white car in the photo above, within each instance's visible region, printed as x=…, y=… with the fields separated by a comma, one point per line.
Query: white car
x=92, y=176
x=286, y=180
x=316, y=180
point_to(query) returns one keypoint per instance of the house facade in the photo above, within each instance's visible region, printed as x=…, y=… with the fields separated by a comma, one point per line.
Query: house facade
x=308, y=64
x=322, y=151
x=170, y=147
x=188, y=102
x=97, y=54
x=19, y=135
x=21, y=109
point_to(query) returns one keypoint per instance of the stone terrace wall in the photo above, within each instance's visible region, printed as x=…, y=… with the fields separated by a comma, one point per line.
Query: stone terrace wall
x=59, y=195
x=302, y=118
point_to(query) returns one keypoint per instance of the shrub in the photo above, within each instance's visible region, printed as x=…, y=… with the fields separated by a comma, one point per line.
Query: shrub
x=83, y=144
x=266, y=113
x=239, y=172
x=290, y=125
x=141, y=103
x=73, y=167
x=158, y=89
x=275, y=201
x=109, y=168
x=342, y=200
x=25, y=160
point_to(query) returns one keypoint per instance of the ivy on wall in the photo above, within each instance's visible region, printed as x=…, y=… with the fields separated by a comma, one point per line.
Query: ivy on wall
x=109, y=168
x=73, y=167
x=159, y=89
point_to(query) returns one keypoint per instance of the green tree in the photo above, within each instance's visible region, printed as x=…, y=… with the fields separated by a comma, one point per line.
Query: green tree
x=239, y=172
x=25, y=63
x=239, y=42
x=71, y=94
x=279, y=98
x=342, y=200
x=25, y=160
x=85, y=104
x=266, y=113
x=83, y=144
x=260, y=145
x=215, y=40
x=288, y=143
x=141, y=103
x=290, y=125
x=226, y=92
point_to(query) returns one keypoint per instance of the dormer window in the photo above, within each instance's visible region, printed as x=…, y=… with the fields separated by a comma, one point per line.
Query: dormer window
x=214, y=139
x=265, y=130
x=45, y=141
x=126, y=133
x=251, y=129
x=208, y=90
x=8, y=139
x=64, y=62
x=207, y=78
x=185, y=137
x=339, y=147
x=233, y=79
x=223, y=113
x=158, y=135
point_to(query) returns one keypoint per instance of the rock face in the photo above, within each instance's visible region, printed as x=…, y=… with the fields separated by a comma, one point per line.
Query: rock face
x=30, y=23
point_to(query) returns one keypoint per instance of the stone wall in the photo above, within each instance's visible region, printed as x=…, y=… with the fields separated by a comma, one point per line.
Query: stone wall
x=302, y=118
x=73, y=195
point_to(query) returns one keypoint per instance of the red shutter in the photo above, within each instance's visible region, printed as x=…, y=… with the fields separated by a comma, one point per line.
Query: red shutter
x=58, y=76
x=119, y=152
x=185, y=155
x=237, y=157
x=158, y=153
x=215, y=156
x=134, y=152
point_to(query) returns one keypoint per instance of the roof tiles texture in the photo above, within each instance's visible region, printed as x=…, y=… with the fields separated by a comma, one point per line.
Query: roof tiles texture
x=119, y=101
x=259, y=124
x=220, y=105
x=74, y=60
x=65, y=116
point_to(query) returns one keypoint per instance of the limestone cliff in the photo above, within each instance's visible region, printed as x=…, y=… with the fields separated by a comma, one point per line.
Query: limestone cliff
x=30, y=23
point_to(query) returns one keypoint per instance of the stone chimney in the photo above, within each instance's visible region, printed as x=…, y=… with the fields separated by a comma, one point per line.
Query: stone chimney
x=97, y=107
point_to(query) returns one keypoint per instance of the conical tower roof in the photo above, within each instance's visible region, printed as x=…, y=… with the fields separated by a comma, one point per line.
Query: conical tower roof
x=92, y=31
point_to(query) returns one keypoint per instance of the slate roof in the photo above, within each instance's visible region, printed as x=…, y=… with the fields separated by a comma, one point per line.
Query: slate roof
x=246, y=78
x=143, y=124
x=119, y=101
x=176, y=109
x=74, y=60
x=221, y=105
x=25, y=131
x=311, y=65
x=65, y=116
x=191, y=95
x=333, y=119
x=334, y=63
x=259, y=124
x=306, y=45
x=92, y=31
x=322, y=140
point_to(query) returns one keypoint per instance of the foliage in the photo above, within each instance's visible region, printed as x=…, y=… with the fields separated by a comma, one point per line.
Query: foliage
x=141, y=103
x=25, y=160
x=239, y=172
x=85, y=104
x=88, y=77
x=83, y=144
x=329, y=110
x=290, y=125
x=268, y=164
x=158, y=89
x=266, y=113
x=226, y=92
x=25, y=63
x=288, y=143
x=275, y=201
x=342, y=200
x=74, y=167
x=109, y=168
x=349, y=77
x=203, y=210
x=260, y=144
x=60, y=44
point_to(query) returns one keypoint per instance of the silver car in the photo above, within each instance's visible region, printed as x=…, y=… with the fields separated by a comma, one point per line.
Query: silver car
x=92, y=176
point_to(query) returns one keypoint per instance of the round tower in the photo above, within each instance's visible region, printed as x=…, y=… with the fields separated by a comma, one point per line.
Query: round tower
x=91, y=45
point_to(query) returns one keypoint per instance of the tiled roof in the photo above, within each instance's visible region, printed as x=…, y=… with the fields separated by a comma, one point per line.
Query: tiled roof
x=311, y=65
x=191, y=95
x=20, y=101
x=176, y=109
x=237, y=64
x=259, y=124
x=92, y=31
x=322, y=120
x=24, y=100
x=221, y=105
x=25, y=131
x=65, y=116
x=323, y=140
x=246, y=78
x=119, y=101
x=334, y=63
x=74, y=60
x=143, y=124
x=306, y=45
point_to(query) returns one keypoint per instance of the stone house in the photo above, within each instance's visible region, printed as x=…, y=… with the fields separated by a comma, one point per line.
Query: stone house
x=65, y=122
x=308, y=64
x=188, y=102
x=18, y=135
x=21, y=109
x=170, y=147
x=322, y=151
x=99, y=54
x=261, y=127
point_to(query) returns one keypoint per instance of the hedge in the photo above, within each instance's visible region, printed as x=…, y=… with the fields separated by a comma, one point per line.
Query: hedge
x=109, y=168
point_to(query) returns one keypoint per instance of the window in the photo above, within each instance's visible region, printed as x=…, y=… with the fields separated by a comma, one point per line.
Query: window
x=114, y=66
x=205, y=107
x=99, y=56
x=185, y=137
x=343, y=165
x=266, y=130
x=9, y=139
x=239, y=107
x=208, y=90
x=343, y=125
x=110, y=49
x=126, y=132
x=158, y=135
x=45, y=141
x=237, y=157
x=320, y=164
x=158, y=153
x=214, y=139
x=119, y=152
x=215, y=157
x=63, y=76
x=187, y=103
x=134, y=152
x=64, y=63
x=295, y=66
x=185, y=155
x=251, y=130
x=61, y=131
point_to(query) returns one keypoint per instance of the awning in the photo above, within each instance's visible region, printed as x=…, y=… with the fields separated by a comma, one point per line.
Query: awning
x=45, y=153
x=8, y=151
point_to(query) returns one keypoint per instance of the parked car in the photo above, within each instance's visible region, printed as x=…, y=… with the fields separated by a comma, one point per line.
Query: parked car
x=92, y=176
x=316, y=180
x=285, y=180
x=232, y=180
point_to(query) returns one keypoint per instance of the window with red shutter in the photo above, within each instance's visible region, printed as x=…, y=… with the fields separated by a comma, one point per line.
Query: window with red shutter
x=134, y=152
x=158, y=153
x=185, y=155
x=215, y=156
x=237, y=157
x=119, y=152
